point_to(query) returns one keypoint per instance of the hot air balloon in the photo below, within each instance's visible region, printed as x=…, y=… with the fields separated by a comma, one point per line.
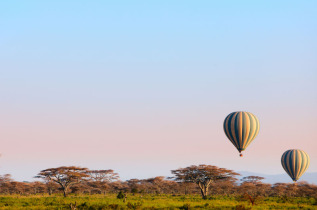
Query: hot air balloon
x=241, y=128
x=295, y=162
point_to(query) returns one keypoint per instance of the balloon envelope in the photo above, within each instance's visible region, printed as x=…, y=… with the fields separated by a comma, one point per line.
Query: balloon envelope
x=295, y=162
x=241, y=128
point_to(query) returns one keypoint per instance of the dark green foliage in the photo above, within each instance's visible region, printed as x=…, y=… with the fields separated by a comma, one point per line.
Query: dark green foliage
x=120, y=195
x=186, y=206
x=113, y=206
x=134, y=205
x=134, y=190
x=83, y=205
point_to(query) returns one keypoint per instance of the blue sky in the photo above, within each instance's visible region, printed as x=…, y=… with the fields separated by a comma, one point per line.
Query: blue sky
x=86, y=72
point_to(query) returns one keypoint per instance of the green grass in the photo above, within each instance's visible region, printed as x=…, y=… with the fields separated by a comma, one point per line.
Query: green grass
x=149, y=202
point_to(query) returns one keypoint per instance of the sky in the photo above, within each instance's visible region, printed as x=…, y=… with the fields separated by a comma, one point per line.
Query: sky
x=143, y=87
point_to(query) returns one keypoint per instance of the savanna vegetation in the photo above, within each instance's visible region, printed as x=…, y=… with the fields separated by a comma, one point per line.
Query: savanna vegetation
x=193, y=187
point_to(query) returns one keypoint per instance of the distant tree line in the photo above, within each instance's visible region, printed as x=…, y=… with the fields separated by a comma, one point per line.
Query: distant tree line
x=206, y=180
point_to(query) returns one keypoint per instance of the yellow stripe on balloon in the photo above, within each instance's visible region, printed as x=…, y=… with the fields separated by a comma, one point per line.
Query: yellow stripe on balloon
x=247, y=124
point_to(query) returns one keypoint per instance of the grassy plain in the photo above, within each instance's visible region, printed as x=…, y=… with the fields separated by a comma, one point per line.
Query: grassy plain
x=149, y=202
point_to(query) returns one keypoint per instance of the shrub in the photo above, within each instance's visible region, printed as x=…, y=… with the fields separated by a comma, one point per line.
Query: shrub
x=242, y=207
x=113, y=206
x=120, y=195
x=134, y=205
x=134, y=190
x=186, y=206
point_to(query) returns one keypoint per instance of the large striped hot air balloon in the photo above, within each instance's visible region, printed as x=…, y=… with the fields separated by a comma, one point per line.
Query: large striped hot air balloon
x=295, y=162
x=241, y=128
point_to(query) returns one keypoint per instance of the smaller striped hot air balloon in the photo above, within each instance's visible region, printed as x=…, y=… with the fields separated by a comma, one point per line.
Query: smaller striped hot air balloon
x=295, y=162
x=241, y=128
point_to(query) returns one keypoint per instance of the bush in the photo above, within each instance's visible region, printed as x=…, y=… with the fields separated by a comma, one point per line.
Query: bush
x=113, y=206
x=120, y=195
x=134, y=205
x=134, y=190
x=242, y=207
x=186, y=206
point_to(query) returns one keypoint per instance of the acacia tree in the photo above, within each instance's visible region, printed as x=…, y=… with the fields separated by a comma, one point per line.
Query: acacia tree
x=101, y=178
x=252, y=179
x=5, y=178
x=156, y=184
x=5, y=181
x=253, y=188
x=134, y=185
x=159, y=185
x=223, y=187
x=279, y=189
x=64, y=176
x=103, y=175
x=203, y=176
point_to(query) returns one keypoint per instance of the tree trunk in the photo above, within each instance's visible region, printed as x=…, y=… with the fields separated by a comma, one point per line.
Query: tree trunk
x=252, y=200
x=64, y=191
x=50, y=191
x=203, y=190
x=203, y=194
x=206, y=191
